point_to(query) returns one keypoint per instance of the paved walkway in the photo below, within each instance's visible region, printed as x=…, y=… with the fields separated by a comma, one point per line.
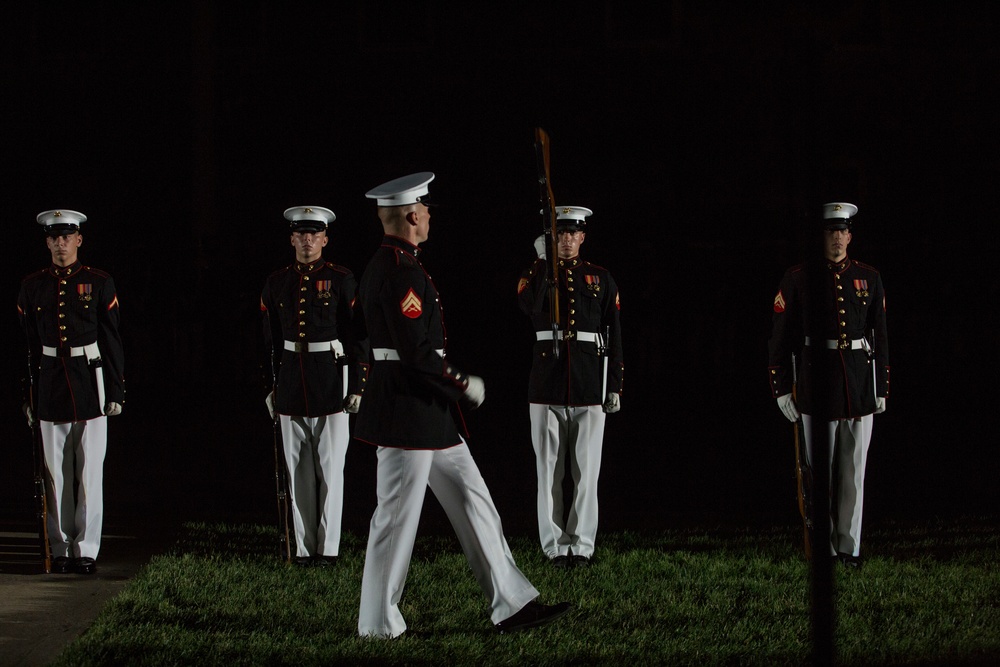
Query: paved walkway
x=41, y=614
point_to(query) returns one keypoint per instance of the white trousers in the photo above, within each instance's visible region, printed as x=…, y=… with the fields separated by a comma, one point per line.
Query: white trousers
x=452, y=475
x=74, y=493
x=577, y=432
x=848, y=441
x=315, y=450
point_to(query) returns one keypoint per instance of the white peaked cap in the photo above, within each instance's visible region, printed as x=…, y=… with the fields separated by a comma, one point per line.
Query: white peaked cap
x=572, y=213
x=402, y=191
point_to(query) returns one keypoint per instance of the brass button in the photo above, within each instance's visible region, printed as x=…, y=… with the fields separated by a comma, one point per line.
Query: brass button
x=62, y=303
x=570, y=289
x=572, y=322
x=302, y=312
x=302, y=335
x=302, y=324
x=63, y=338
x=840, y=287
x=841, y=312
x=302, y=300
x=305, y=277
x=62, y=327
x=572, y=312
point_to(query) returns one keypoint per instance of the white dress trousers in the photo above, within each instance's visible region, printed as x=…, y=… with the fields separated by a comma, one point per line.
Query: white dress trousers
x=315, y=450
x=74, y=451
x=849, y=440
x=452, y=475
x=557, y=431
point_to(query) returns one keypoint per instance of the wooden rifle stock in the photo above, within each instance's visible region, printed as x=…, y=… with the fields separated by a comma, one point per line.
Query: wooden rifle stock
x=38, y=458
x=280, y=480
x=803, y=473
x=549, y=227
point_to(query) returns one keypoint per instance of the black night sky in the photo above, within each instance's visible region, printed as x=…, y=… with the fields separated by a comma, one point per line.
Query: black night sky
x=702, y=134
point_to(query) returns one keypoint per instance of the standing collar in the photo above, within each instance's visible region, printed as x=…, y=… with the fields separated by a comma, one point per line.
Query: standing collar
x=311, y=266
x=66, y=271
x=838, y=267
x=401, y=244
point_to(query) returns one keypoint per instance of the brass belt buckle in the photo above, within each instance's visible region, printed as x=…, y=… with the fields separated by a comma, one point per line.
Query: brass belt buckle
x=843, y=345
x=568, y=335
x=301, y=347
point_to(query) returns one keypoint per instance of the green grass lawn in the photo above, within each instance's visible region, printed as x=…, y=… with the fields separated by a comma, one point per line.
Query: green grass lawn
x=928, y=594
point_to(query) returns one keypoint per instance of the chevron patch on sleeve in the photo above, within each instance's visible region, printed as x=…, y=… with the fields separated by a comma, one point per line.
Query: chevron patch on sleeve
x=411, y=306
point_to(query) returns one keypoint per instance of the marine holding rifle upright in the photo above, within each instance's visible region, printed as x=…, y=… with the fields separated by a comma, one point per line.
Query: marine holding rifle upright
x=835, y=307
x=70, y=316
x=317, y=368
x=576, y=379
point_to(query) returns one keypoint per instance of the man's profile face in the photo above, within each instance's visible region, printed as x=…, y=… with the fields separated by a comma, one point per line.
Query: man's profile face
x=309, y=245
x=64, y=247
x=422, y=222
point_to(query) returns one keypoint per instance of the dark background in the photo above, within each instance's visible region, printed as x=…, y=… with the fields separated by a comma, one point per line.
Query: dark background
x=702, y=134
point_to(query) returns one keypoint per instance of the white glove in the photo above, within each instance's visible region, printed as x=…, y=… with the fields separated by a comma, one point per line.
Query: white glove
x=787, y=405
x=611, y=403
x=540, y=246
x=475, y=390
x=30, y=414
x=113, y=409
x=352, y=404
x=269, y=402
x=880, y=404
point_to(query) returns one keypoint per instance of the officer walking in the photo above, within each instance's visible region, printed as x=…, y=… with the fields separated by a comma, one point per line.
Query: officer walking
x=70, y=316
x=576, y=379
x=307, y=308
x=410, y=412
x=834, y=307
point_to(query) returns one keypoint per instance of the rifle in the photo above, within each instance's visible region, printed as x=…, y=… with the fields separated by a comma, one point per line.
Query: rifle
x=38, y=460
x=280, y=481
x=549, y=227
x=803, y=473
x=602, y=350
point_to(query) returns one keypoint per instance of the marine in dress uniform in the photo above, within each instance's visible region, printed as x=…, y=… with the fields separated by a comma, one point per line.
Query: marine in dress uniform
x=411, y=413
x=70, y=316
x=570, y=394
x=307, y=308
x=848, y=326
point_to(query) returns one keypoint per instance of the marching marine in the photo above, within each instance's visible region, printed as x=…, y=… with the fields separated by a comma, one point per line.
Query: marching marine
x=70, y=317
x=576, y=379
x=411, y=413
x=833, y=307
x=307, y=308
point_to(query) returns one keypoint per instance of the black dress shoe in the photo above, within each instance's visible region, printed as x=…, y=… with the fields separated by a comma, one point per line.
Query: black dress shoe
x=302, y=561
x=62, y=565
x=581, y=561
x=850, y=562
x=533, y=615
x=85, y=565
x=324, y=561
x=560, y=561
